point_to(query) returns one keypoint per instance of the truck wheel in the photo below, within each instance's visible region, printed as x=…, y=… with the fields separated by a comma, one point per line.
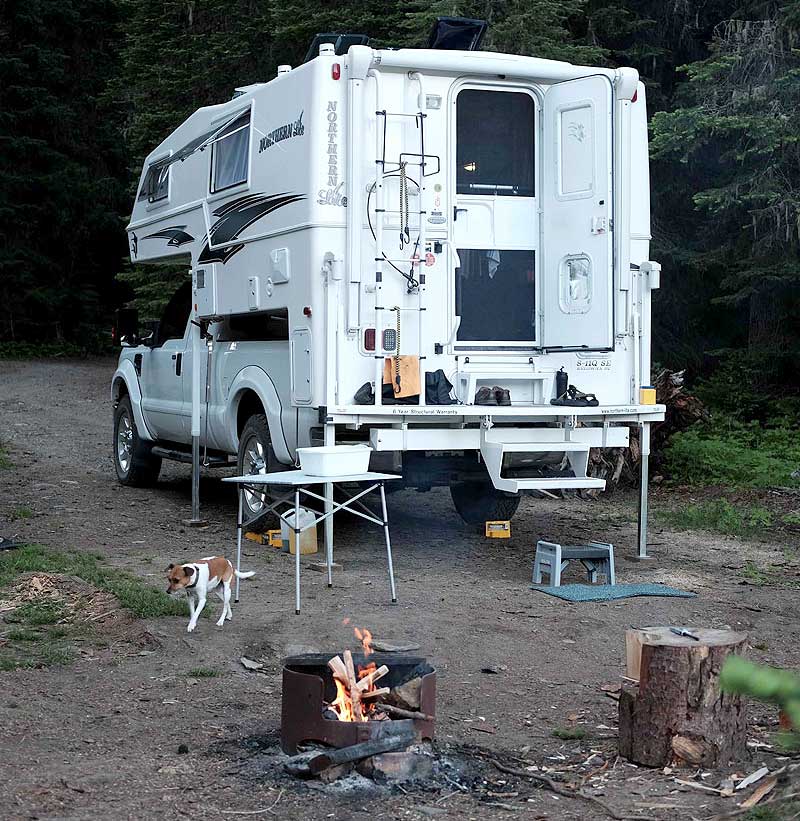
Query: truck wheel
x=479, y=502
x=255, y=456
x=133, y=458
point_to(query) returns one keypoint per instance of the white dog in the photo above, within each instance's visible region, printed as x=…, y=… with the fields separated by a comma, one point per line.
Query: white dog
x=198, y=578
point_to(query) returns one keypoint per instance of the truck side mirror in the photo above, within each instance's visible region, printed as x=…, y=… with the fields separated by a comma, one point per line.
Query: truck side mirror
x=126, y=327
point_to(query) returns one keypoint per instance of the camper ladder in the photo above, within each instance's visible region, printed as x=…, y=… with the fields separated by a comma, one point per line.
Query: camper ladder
x=415, y=278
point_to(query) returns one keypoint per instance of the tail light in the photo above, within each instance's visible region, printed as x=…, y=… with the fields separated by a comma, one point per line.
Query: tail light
x=369, y=339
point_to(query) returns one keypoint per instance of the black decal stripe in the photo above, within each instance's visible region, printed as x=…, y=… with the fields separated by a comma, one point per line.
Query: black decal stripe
x=237, y=216
x=176, y=234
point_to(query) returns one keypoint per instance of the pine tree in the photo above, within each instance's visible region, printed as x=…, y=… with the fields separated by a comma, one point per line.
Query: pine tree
x=62, y=168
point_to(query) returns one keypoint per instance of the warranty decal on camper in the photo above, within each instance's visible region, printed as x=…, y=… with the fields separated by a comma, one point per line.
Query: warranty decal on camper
x=235, y=217
x=176, y=234
x=284, y=132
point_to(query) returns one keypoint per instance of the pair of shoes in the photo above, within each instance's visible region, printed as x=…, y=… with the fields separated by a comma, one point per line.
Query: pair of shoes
x=493, y=396
x=574, y=398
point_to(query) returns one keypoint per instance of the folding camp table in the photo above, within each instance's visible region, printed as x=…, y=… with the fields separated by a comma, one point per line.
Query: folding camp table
x=296, y=482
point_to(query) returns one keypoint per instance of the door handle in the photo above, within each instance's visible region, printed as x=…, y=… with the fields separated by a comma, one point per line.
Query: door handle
x=456, y=209
x=178, y=357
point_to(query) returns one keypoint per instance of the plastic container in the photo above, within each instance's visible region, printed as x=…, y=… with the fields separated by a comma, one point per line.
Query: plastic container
x=335, y=460
x=308, y=538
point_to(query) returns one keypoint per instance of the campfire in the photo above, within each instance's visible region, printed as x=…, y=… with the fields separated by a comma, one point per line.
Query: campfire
x=357, y=696
x=365, y=705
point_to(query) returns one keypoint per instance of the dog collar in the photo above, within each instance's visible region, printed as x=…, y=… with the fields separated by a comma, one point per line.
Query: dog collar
x=196, y=576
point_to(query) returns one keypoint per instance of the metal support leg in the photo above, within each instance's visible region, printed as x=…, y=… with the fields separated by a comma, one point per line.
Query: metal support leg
x=239, y=541
x=330, y=439
x=644, y=440
x=297, y=552
x=388, y=545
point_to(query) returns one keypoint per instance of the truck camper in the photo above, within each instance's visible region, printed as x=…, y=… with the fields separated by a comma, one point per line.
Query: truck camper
x=441, y=252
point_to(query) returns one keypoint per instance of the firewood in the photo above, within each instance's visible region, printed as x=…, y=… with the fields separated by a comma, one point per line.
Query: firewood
x=352, y=682
x=339, y=670
x=399, y=712
x=678, y=711
x=381, y=691
x=369, y=679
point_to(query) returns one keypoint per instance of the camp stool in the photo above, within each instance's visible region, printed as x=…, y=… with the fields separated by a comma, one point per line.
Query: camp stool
x=552, y=558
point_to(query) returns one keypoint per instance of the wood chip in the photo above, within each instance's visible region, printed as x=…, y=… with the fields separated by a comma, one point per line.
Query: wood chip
x=759, y=792
x=752, y=778
x=249, y=664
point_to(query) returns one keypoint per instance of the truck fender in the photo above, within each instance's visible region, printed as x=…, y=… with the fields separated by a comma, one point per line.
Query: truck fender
x=257, y=380
x=125, y=375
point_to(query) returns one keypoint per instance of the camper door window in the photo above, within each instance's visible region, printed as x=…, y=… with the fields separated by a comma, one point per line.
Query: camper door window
x=494, y=143
x=230, y=154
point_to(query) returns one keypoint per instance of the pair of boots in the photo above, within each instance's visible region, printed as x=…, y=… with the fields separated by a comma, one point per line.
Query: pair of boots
x=493, y=396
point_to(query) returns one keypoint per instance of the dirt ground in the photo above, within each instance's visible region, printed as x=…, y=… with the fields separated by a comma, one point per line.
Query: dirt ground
x=99, y=738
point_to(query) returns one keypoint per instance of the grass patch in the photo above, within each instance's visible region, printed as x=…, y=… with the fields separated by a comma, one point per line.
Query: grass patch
x=735, y=454
x=21, y=512
x=204, y=672
x=134, y=594
x=5, y=459
x=34, y=637
x=718, y=516
x=791, y=519
x=569, y=733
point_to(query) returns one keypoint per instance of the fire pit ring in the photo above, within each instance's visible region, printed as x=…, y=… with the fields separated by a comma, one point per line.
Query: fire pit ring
x=308, y=684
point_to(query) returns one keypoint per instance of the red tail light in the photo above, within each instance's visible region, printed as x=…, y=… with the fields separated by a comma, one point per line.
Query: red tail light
x=336, y=71
x=369, y=339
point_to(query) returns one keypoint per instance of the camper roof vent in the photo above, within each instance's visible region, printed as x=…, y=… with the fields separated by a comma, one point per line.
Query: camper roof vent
x=341, y=43
x=457, y=33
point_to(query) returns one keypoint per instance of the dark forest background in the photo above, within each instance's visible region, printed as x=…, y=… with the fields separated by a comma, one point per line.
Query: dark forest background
x=88, y=87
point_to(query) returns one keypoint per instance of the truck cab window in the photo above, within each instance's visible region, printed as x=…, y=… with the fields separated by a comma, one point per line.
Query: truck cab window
x=230, y=154
x=176, y=315
x=494, y=143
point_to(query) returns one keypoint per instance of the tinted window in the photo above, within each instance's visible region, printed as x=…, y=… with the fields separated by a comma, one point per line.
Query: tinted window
x=494, y=143
x=176, y=314
x=269, y=325
x=230, y=154
x=156, y=182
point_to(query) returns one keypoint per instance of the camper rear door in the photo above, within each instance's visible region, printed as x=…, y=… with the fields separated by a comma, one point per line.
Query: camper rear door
x=577, y=211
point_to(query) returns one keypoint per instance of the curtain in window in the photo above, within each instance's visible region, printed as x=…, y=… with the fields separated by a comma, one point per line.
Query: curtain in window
x=231, y=156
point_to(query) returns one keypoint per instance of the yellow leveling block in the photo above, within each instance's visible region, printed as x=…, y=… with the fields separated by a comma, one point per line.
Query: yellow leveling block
x=498, y=530
x=271, y=538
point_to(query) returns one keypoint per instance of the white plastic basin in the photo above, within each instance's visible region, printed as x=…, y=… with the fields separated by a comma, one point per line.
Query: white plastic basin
x=335, y=460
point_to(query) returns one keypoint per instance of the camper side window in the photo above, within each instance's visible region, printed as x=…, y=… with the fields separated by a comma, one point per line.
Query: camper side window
x=230, y=154
x=156, y=182
x=494, y=143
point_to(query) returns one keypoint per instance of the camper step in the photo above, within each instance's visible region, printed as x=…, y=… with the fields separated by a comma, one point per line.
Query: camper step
x=542, y=447
x=176, y=455
x=558, y=483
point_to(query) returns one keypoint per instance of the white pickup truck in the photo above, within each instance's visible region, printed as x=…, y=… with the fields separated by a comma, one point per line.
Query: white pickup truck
x=246, y=418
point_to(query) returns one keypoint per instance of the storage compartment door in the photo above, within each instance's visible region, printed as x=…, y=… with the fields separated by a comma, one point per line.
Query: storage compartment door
x=577, y=197
x=301, y=366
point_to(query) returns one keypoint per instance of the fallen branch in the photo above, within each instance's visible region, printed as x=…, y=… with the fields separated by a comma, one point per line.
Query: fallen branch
x=568, y=793
x=254, y=812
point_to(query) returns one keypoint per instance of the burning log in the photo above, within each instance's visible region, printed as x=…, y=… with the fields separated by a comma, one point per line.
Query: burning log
x=352, y=683
x=367, y=680
x=372, y=694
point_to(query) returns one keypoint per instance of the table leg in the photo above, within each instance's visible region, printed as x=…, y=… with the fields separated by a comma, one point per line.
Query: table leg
x=239, y=542
x=297, y=552
x=388, y=545
x=329, y=531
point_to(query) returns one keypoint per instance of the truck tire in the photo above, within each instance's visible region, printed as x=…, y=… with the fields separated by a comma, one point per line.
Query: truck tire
x=480, y=501
x=255, y=456
x=133, y=458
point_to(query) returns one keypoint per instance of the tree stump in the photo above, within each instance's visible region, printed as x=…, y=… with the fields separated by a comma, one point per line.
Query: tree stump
x=678, y=715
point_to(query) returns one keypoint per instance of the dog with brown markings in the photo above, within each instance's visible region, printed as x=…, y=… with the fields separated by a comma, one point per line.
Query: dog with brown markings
x=198, y=579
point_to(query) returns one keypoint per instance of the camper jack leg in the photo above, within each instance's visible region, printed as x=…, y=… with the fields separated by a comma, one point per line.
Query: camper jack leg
x=644, y=441
x=330, y=439
x=197, y=346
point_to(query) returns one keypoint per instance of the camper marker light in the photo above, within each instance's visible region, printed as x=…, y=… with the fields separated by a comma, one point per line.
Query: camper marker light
x=433, y=101
x=635, y=95
x=307, y=310
x=336, y=71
